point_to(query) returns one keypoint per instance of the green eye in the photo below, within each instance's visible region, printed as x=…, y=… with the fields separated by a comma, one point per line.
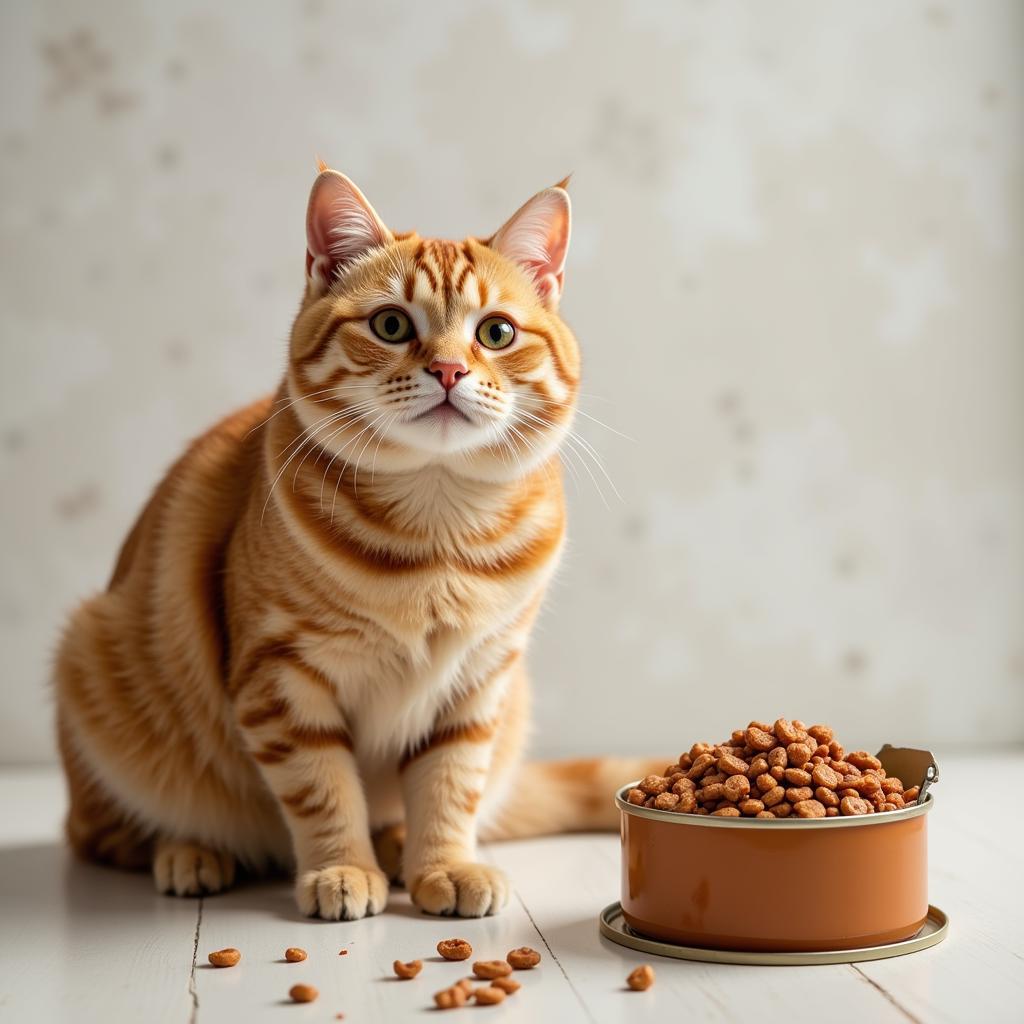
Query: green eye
x=392, y=325
x=495, y=332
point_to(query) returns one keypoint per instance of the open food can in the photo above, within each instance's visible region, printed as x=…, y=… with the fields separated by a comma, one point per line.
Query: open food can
x=780, y=885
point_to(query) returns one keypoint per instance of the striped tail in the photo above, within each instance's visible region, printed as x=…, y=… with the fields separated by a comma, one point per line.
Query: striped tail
x=566, y=796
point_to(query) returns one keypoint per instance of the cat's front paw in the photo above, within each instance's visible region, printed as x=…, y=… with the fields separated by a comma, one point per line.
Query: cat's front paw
x=467, y=890
x=186, y=869
x=343, y=892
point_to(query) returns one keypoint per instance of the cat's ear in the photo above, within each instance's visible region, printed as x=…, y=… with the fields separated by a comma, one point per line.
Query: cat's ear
x=536, y=237
x=340, y=226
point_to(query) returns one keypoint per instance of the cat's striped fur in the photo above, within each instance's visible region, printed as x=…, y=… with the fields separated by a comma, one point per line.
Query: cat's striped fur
x=315, y=630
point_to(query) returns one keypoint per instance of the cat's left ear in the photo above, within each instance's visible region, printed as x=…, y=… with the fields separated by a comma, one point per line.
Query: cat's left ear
x=536, y=237
x=341, y=225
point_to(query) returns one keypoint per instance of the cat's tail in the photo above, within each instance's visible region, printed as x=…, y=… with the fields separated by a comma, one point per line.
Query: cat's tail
x=565, y=796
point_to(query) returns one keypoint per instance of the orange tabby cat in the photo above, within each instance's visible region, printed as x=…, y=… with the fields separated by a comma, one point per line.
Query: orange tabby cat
x=315, y=631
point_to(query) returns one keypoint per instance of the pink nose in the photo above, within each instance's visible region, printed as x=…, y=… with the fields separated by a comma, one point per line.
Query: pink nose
x=449, y=374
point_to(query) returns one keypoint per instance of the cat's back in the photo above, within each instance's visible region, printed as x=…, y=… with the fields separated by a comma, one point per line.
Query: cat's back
x=159, y=627
x=200, y=498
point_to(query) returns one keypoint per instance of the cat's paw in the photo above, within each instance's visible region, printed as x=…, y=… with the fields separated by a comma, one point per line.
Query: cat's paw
x=341, y=893
x=187, y=869
x=466, y=890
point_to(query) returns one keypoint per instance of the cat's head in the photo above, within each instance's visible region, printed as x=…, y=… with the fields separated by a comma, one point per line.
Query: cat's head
x=413, y=351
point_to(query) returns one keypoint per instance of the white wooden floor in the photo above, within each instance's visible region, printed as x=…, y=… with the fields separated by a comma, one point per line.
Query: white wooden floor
x=83, y=944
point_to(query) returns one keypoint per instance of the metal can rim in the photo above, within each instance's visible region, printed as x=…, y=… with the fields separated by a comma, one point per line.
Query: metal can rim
x=710, y=821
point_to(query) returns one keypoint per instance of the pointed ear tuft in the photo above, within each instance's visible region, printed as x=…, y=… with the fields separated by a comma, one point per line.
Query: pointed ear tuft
x=340, y=226
x=537, y=238
x=321, y=166
x=564, y=183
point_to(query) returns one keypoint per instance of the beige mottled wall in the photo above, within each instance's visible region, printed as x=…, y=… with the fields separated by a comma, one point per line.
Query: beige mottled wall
x=796, y=276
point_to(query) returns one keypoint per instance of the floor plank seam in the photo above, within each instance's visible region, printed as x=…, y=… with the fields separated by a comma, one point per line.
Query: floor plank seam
x=193, y=989
x=553, y=955
x=886, y=994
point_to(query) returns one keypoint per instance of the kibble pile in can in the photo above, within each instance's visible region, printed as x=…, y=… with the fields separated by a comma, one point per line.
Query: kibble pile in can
x=774, y=771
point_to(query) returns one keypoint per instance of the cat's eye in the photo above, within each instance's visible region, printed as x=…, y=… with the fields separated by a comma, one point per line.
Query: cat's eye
x=392, y=325
x=495, y=332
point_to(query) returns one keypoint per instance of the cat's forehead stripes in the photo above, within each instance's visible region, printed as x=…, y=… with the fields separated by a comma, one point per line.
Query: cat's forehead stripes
x=448, y=269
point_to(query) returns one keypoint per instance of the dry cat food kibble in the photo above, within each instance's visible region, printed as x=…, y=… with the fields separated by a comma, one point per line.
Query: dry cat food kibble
x=508, y=985
x=455, y=949
x=490, y=969
x=409, y=970
x=641, y=978
x=488, y=995
x=225, y=957
x=303, y=993
x=294, y=955
x=782, y=770
x=450, y=998
x=523, y=958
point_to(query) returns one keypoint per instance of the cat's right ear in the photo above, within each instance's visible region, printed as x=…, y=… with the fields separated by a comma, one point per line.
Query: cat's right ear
x=340, y=226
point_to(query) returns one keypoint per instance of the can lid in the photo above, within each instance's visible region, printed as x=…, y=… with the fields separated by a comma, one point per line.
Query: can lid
x=914, y=767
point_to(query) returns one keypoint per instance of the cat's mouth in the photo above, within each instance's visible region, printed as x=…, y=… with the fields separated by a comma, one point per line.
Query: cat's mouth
x=444, y=412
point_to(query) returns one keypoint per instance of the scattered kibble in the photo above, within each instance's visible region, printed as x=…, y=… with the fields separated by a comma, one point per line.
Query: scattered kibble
x=342, y=952
x=450, y=998
x=303, y=993
x=488, y=995
x=225, y=957
x=490, y=969
x=641, y=979
x=408, y=970
x=523, y=958
x=455, y=949
x=294, y=955
x=508, y=985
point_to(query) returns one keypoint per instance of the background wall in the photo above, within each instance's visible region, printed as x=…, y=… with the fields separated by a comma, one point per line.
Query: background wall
x=812, y=211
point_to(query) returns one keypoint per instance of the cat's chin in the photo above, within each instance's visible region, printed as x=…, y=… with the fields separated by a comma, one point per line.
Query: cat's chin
x=443, y=430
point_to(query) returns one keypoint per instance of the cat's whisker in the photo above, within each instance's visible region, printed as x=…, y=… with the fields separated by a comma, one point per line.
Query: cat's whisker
x=580, y=440
x=577, y=410
x=532, y=448
x=570, y=451
x=571, y=469
x=334, y=458
x=295, y=401
x=341, y=471
x=347, y=420
x=585, y=448
x=315, y=426
x=358, y=460
x=306, y=436
x=376, y=451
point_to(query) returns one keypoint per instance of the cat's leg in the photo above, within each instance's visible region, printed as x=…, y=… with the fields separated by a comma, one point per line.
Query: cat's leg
x=389, y=844
x=299, y=740
x=442, y=784
x=188, y=869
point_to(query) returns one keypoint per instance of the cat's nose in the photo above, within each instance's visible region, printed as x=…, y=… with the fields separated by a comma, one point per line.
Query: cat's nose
x=449, y=374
